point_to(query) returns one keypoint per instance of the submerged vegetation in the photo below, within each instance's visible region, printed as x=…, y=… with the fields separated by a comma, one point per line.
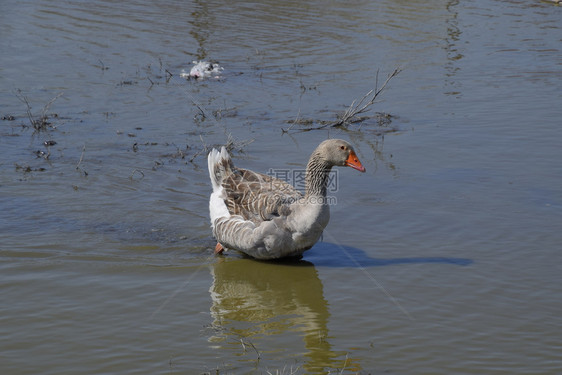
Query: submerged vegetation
x=357, y=117
x=40, y=122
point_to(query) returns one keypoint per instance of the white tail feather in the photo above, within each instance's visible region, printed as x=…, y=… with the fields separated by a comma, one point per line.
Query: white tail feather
x=212, y=159
x=217, y=206
x=215, y=157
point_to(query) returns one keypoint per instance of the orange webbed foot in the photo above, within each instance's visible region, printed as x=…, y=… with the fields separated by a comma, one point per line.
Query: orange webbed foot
x=219, y=249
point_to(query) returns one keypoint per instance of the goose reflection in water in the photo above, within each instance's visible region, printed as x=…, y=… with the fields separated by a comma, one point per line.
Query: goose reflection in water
x=254, y=300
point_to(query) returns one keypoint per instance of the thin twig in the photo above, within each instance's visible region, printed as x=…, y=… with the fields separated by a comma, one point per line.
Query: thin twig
x=252, y=345
x=24, y=100
x=199, y=107
x=283, y=131
x=48, y=105
x=203, y=150
x=345, y=363
x=81, y=157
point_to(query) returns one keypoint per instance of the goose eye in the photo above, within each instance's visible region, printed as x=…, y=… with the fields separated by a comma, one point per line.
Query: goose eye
x=342, y=147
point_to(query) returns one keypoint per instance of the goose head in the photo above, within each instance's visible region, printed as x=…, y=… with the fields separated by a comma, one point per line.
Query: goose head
x=339, y=152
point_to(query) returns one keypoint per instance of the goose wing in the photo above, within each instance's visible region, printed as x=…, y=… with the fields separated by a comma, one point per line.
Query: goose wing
x=257, y=197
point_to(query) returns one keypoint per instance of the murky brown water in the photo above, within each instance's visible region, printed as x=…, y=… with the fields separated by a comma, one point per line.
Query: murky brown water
x=444, y=258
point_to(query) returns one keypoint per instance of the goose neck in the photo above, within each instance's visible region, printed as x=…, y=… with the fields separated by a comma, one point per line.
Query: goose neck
x=316, y=180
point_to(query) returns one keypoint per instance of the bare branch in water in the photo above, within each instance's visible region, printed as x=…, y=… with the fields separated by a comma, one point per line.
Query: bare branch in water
x=78, y=168
x=252, y=345
x=42, y=122
x=295, y=121
x=203, y=150
x=48, y=105
x=24, y=100
x=351, y=115
x=366, y=101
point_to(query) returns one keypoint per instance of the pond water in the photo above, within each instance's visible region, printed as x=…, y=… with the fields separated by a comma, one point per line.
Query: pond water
x=444, y=258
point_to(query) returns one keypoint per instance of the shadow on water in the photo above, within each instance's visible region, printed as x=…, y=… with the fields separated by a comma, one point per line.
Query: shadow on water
x=327, y=254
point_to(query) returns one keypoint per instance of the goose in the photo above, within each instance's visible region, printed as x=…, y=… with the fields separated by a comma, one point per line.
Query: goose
x=265, y=217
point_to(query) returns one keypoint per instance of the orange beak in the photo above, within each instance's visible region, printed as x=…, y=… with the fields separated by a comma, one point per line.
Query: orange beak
x=353, y=162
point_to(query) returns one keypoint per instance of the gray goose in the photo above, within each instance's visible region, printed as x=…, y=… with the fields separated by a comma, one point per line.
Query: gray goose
x=265, y=217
